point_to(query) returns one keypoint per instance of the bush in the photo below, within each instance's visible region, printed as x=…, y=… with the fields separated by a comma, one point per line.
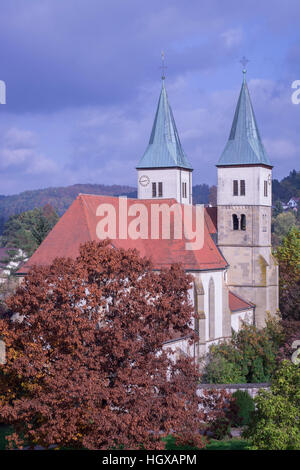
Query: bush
x=220, y=428
x=221, y=371
x=249, y=357
x=244, y=408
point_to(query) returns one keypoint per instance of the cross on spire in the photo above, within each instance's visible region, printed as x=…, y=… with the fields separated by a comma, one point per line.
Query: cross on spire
x=163, y=66
x=244, y=61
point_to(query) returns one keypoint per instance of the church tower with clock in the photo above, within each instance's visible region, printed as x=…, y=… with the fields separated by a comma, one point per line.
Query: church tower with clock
x=164, y=171
x=244, y=212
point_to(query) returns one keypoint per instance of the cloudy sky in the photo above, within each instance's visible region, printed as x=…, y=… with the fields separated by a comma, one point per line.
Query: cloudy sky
x=83, y=80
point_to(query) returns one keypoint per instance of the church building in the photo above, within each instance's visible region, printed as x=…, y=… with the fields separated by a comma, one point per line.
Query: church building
x=235, y=274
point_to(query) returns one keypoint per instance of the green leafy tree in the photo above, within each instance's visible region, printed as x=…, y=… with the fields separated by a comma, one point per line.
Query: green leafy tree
x=23, y=233
x=249, y=357
x=275, y=424
x=212, y=197
x=244, y=405
x=220, y=370
x=282, y=225
x=287, y=187
x=278, y=209
x=288, y=256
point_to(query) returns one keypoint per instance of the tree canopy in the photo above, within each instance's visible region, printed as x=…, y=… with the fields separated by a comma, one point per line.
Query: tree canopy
x=288, y=256
x=87, y=364
x=275, y=424
x=250, y=355
x=281, y=225
x=24, y=232
x=286, y=188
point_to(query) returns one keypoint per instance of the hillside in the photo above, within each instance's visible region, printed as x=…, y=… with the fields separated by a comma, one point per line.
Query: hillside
x=59, y=198
x=286, y=188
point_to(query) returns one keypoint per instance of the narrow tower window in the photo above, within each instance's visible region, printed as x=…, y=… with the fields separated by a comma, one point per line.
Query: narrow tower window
x=235, y=187
x=242, y=188
x=235, y=222
x=243, y=222
x=211, y=306
x=160, y=189
x=266, y=188
x=153, y=189
x=184, y=190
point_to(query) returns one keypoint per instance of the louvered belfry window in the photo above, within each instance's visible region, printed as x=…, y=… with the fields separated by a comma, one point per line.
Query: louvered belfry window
x=243, y=188
x=153, y=189
x=160, y=189
x=235, y=187
x=266, y=188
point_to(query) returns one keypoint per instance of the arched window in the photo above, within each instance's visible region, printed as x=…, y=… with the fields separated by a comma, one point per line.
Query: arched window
x=243, y=222
x=235, y=222
x=211, y=308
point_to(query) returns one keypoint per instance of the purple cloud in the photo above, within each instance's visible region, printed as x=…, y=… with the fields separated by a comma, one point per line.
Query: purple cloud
x=83, y=82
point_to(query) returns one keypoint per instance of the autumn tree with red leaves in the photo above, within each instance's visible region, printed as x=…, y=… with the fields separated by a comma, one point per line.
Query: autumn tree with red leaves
x=85, y=366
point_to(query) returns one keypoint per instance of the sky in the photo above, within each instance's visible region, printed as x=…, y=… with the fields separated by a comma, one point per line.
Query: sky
x=83, y=80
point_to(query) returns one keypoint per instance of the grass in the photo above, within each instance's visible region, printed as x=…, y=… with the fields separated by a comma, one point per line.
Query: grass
x=225, y=444
x=229, y=444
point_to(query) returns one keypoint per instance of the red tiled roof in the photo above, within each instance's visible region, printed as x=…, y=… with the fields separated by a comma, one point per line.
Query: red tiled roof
x=211, y=219
x=237, y=303
x=78, y=225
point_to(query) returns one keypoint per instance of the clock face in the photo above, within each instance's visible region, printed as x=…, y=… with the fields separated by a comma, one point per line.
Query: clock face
x=144, y=180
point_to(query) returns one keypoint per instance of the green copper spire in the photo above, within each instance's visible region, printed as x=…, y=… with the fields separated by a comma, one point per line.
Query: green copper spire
x=164, y=148
x=244, y=146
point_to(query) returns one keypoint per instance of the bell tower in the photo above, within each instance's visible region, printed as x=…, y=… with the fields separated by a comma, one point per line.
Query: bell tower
x=164, y=171
x=244, y=207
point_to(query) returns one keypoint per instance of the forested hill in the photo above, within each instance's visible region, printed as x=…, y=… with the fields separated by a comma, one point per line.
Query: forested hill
x=286, y=188
x=59, y=198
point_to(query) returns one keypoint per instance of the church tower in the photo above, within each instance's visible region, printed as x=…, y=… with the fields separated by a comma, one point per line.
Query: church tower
x=164, y=171
x=244, y=207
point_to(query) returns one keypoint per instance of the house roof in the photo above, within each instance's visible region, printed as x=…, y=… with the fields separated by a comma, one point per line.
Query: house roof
x=211, y=219
x=244, y=146
x=78, y=225
x=164, y=149
x=236, y=303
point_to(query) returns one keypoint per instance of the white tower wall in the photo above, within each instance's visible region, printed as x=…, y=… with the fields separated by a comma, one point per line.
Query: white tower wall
x=173, y=181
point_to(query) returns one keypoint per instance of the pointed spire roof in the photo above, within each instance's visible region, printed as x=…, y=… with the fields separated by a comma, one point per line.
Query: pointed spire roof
x=244, y=146
x=164, y=148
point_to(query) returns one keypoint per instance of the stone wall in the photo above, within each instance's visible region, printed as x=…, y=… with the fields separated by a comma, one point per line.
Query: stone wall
x=252, y=389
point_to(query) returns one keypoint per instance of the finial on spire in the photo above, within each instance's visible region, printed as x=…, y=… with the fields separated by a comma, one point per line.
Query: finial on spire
x=163, y=67
x=244, y=61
